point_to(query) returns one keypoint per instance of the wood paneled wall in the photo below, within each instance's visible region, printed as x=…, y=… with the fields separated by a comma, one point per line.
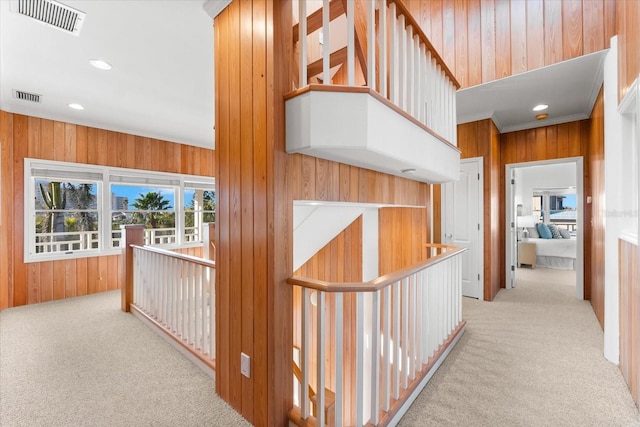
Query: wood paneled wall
x=23, y=136
x=254, y=210
x=547, y=143
x=628, y=18
x=402, y=235
x=482, y=139
x=257, y=183
x=484, y=40
x=595, y=267
x=630, y=316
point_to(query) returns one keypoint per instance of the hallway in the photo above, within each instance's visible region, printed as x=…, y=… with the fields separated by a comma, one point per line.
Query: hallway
x=532, y=357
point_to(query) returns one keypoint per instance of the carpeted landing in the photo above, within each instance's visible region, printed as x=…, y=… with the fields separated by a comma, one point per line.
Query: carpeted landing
x=532, y=357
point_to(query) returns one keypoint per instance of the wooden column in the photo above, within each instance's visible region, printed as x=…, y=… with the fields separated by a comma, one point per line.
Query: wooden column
x=253, y=42
x=209, y=241
x=131, y=235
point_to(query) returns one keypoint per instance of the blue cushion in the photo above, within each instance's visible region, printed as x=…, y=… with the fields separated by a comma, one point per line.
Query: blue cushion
x=555, y=233
x=543, y=231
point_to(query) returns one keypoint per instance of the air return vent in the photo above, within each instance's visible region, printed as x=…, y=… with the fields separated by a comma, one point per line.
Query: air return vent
x=52, y=13
x=26, y=96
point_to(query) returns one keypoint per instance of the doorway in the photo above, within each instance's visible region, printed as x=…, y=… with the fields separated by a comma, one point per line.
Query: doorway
x=545, y=192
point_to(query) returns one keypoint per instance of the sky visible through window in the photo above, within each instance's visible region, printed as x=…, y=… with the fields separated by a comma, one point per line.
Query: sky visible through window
x=133, y=192
x=570, y=201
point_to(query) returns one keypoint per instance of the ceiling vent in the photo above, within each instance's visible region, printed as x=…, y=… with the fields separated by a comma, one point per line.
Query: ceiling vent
x=26, y=96
x=53, y=14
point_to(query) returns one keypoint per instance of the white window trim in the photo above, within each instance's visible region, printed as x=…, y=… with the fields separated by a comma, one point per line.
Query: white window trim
x=108, y=174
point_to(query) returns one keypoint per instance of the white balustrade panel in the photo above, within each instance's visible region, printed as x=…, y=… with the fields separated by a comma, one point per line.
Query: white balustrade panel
x=393, y=334
x=178, y=294
x=408, y=74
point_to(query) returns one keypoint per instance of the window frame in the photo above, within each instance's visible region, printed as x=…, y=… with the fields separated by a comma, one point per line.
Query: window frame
x=104, y=177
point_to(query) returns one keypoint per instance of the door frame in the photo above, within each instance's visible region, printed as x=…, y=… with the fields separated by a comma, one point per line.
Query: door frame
x=480, y=255
x=510, y=256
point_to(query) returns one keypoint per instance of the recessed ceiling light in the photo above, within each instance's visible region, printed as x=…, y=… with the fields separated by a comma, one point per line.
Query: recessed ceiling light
x=100, y=64
x=76, y=106
x=410, y=171
x=540, y=107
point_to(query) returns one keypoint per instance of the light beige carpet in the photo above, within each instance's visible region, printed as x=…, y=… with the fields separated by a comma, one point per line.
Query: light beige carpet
x=83, y=362
x=533, y=357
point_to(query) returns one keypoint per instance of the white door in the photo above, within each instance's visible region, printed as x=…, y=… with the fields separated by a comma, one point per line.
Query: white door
x=462, y=223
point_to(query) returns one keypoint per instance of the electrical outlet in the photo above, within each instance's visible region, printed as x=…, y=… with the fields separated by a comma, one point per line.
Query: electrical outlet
x=245, y=365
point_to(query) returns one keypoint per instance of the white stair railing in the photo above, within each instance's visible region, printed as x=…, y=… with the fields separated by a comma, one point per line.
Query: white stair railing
x=401, y=63
x=368, y=343
x=173, y=292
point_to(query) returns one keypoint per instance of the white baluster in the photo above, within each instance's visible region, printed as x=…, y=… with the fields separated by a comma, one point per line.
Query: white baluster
x=394, y=59
x=212, y=313
x=320, y=392
x=410, y=71
x=302, y=38
x=359, y=358
x=338, y=358
x=411, y=349
x=405, y=333
x=326, y=43
x=304, y=352
x=375, y=354
x=397, y=362
x=402, y=63
x=382, y=12
x=371, y=44
x=386, y=360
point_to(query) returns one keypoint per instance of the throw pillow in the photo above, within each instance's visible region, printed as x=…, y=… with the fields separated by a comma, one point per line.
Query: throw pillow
x=544, y=231
x=533, y=232
x=564, y=233
x=555, y=234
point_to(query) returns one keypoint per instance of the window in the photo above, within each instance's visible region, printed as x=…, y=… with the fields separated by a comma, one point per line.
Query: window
x=77, y=210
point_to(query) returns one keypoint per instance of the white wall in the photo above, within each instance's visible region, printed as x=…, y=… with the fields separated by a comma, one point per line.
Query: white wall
x=541, y=176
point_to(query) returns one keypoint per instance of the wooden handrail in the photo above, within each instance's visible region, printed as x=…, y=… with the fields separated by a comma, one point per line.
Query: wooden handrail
x=368, y=90
x=183, y=257
x=375, y=284
x=401, y=9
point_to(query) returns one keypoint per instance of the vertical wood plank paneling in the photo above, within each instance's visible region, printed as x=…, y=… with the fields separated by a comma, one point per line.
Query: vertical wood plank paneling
x=535, y=34
x=18, y=286
x=461, y=44
x=6, y=209
x=518, y=37
x=571, y=29
x=46, y=281
x=70, y=286
x=488, y=56
x=58, y=280
x=503, y=39
x=235, y=187
x=222, y=208
x=475, y=43
x=628, y=23
x=629, y=293
x=81, y=276
x=593, y=30
x=246, y=183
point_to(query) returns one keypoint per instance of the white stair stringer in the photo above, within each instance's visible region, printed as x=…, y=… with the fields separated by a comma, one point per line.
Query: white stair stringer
x=315, y=226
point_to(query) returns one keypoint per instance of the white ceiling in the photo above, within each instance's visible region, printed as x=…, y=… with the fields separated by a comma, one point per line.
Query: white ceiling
x=161, y=84
x=570, y=88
